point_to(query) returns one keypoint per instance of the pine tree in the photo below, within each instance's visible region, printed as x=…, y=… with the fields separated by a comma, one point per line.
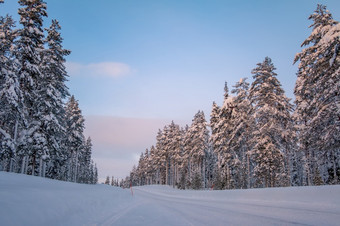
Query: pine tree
x=87, y=160
x=214, y=122
x=242, y=123
x=75, y=137
x=141, y=170
x=271, y=111
x=184, y=168
x=28, y=51
x=220, y=137
x=11, y=97
x=173, y=148
x=198, y=146
x=52, y=96
x=317, y=97
x=107, y=181
x=161, y=157
x=152, y=167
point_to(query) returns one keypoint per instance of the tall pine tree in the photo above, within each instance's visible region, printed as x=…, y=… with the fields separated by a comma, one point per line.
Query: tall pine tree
x=29, y=49
x=271, y=111
x=317, y=98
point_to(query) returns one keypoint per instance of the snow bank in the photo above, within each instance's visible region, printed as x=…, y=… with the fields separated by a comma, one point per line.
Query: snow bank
x=28, y=200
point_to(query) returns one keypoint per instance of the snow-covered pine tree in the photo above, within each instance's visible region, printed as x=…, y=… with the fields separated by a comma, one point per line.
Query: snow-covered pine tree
x=220, y=137
x=161, y=157
x=29, y=48
x=133, y=176
x=84, y=162
x=214, y=122
x=152, y=167
x=11, y=97
x=93, y=173
x=180, y=156
x=107, y=180
x=271, y=111
x=184, y=167
x=242, y=123
x=52, y=94
x=167, y=153
x=148, y=167
x=174, y=149
x=87, y=160
x=199, y=146
x=75, y=137
x=318, y=100
x=141, y=169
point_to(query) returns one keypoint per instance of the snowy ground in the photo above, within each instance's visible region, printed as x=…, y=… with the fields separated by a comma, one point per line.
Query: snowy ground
x=27, y=200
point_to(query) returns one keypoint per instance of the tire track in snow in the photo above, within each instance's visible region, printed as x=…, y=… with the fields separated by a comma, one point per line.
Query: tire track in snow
x=111, y=220
x=266, y=214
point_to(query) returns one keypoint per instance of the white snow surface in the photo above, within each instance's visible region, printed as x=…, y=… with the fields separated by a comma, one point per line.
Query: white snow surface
x=28, y=200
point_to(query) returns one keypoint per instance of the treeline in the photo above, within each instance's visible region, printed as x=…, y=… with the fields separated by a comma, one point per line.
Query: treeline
x=115, y=182
x=40, y=134
x=257, y=138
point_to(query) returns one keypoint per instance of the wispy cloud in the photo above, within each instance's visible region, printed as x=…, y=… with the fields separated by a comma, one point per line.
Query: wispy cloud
x=104, y=69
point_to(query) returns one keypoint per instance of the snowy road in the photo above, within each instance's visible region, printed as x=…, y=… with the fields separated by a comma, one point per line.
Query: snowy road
x=156, y=205
x=27, y=200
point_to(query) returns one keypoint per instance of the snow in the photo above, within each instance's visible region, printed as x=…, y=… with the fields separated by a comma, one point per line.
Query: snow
x=28, y=200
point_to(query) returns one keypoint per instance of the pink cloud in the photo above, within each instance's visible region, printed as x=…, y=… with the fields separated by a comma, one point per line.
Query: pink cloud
x=117, y=142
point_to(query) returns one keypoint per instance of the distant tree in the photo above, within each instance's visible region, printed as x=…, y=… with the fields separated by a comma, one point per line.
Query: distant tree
x=107, y=181
x=198, y=146
x=196, y=183
x=161, y=156
x=75, y=137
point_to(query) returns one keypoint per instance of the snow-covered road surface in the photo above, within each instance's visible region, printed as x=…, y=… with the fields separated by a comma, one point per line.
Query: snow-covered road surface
x=27, y=200
x=159, y=205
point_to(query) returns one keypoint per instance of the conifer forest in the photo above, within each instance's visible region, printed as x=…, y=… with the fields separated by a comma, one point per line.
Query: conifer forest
x=41, y=125
x=256, y=138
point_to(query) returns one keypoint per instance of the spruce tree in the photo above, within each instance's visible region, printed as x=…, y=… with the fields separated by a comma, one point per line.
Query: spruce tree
x=107, y=181
x=53, y=93
x=75, y=138
x=199, y=146
x=11, y=97
x=242, y=124
x=29, y=48
x=317, y=98
x=271, y=111
x=221, y=131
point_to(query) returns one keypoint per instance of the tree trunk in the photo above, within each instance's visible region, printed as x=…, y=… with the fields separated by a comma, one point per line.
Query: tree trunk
x=15, y=145
x=33, y=164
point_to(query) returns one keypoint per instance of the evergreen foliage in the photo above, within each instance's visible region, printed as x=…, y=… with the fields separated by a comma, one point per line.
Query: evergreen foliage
x=39, y=134
x=255, y=139
x=317, y=98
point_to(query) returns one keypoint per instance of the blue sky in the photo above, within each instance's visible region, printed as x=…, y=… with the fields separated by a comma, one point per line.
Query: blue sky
x=137, y=65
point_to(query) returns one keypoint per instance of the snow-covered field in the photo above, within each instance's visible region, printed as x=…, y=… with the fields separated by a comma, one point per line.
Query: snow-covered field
x=27, y=200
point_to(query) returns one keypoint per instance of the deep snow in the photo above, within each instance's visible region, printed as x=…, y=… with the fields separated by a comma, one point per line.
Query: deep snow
x=28, y=200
